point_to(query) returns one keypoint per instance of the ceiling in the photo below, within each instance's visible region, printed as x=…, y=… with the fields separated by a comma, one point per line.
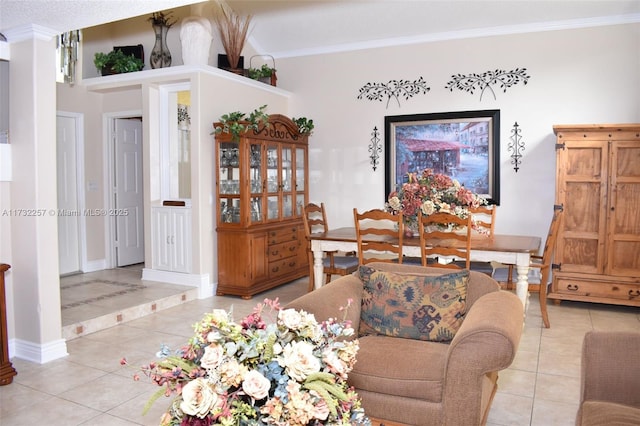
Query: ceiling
x=302, y=27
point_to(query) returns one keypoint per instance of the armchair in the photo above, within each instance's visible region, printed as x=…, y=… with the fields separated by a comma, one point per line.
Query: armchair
x=610, y=379
x=419, y=382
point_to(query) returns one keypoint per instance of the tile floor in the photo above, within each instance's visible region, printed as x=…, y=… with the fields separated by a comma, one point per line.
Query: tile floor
x=89, y=387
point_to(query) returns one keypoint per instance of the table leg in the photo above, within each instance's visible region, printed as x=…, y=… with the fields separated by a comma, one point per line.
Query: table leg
x=522, y=285
x=318, y=268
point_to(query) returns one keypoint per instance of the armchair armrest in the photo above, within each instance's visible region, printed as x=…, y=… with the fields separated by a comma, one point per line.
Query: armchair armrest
x=486, y=342
x=326, y=301
x=610, y=369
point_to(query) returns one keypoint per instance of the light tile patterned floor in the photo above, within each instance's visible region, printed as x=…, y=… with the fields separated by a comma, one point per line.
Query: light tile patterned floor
x=99, y=300
x=89, y=387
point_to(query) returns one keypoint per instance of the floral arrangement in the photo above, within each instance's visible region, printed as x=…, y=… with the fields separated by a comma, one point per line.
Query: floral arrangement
x=289, y=372
x=431, y=192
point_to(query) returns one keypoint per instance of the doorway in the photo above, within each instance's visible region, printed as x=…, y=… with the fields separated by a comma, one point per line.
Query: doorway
x=70, y=177
x=126, y=198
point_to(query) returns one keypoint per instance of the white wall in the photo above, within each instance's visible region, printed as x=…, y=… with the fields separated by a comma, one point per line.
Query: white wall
x=577, y=76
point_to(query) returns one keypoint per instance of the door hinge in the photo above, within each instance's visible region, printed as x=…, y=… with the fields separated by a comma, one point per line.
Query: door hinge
x=560, y=146
x=558, y=207
x=556, y=266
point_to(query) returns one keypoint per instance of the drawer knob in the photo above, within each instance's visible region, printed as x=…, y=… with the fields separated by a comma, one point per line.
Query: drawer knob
x=275, y=269
x=634, y=293
x=572, y=287
x=292, y=264
x=274, y=253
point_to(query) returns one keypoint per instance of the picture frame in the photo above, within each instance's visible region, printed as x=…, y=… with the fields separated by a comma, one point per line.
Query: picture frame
x=463, y=145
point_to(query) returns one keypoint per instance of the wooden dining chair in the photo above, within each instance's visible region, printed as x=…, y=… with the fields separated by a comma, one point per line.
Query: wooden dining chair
x=544, y=263
x=379, y=234
x=439, y=238
x=484, y=220
x=315, y=220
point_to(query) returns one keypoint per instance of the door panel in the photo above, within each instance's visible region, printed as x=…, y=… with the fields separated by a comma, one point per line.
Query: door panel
x=128, y=192
x=68, y=211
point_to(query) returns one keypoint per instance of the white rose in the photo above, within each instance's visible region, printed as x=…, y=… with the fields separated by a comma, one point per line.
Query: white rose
x=335, y=364
x=290, y=318
x=212, y=356
x=256, y=385
x=428, y=207
x=198, y=398
x=394, y=203
x=299, y=360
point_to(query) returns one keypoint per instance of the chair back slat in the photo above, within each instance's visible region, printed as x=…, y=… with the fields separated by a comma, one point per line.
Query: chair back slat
x=484, y=217
x=440, y=239
x=379, y=234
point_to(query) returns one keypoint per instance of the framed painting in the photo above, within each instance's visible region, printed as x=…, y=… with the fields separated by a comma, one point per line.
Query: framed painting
x=463, y=145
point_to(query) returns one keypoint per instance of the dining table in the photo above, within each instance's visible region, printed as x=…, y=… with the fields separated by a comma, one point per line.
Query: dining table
x=503, y=248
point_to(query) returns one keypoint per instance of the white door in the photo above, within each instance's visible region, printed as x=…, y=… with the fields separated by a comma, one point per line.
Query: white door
x=68, y=210
x=128, y=209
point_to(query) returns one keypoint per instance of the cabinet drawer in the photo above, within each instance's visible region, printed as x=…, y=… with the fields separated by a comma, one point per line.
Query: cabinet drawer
x=289, y=233
x=626, y=291
x=283, y=250
x=283, y=266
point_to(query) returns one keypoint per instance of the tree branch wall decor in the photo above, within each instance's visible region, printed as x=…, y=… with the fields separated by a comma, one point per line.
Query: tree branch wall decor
x=472, y=82
x=393, y=89
x=375, y=148
x=515, y=147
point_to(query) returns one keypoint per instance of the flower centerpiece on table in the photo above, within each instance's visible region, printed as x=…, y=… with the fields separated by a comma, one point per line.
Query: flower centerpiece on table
x=289, y=372
x=432, y=192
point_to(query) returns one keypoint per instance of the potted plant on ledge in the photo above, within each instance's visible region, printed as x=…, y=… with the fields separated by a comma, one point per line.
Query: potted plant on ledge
x=265, y=74
x=116, y=62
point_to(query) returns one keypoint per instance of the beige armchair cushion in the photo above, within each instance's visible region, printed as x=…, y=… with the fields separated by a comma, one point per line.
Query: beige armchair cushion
x=610, y=379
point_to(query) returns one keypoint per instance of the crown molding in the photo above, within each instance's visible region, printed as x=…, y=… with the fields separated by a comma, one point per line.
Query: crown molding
x=464, y=34
x=29, y=32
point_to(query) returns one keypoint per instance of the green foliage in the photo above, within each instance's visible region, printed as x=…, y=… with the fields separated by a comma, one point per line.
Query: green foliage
x=235, y=122
x=262, y=72
x=305, y=126
x=117, y=61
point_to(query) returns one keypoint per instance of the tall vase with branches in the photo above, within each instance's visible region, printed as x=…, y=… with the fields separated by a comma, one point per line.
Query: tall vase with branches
x=233, y=30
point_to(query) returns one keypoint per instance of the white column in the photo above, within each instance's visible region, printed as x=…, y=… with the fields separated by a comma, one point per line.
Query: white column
x=34, y=239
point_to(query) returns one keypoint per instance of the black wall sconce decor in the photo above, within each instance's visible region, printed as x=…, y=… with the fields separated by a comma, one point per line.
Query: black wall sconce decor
x=375, y=148
x=471, y=82
x=515, y=147
x=393, y=89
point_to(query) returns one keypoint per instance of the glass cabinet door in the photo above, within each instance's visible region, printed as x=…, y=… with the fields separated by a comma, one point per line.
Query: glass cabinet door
x=255, y=182
x=286, y=181
x=301, y=184
x=229, y=182
x=273, y=182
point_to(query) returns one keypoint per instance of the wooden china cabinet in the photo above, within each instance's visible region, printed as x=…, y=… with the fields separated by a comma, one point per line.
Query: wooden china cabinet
x=597, y=256
x=261, y=189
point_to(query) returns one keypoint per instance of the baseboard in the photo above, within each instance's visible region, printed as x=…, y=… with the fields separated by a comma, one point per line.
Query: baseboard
x=39, y=353
x=201, y=281
x=95, y=265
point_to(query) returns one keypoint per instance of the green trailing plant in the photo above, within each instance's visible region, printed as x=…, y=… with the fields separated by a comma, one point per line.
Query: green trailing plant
x=117, y=61
x=262, y=72
x=236, y=123
x=305, y=126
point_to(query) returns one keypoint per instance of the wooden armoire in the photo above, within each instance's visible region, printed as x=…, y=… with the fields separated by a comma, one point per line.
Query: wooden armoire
x=261, y=191
x=597, y=256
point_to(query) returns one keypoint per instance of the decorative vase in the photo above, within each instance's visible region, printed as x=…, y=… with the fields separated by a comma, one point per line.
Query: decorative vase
x=195, y=36
x=160, y=55
x=411, y=227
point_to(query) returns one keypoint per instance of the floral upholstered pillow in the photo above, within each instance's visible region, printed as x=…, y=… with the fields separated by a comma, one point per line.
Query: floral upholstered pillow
x=423, y=307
